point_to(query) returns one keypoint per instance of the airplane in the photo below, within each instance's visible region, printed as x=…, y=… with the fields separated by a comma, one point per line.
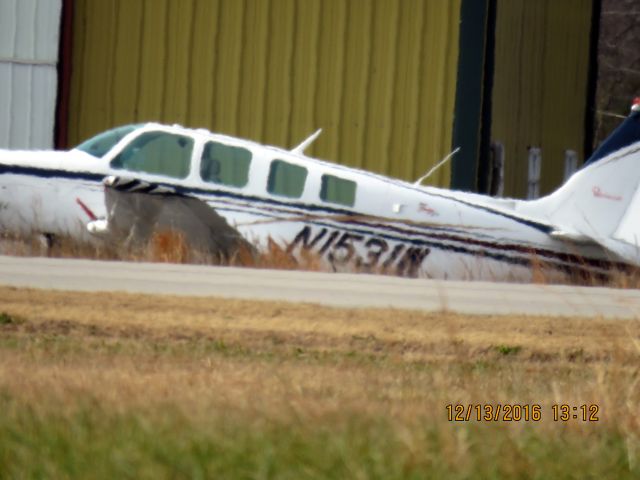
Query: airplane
x=229, y=194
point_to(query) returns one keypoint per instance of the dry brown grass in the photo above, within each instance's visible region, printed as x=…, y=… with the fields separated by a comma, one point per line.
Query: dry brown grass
x=414, y=333
x=164, y=247
x=325, y=358
x=311, y=370
x=171, y=247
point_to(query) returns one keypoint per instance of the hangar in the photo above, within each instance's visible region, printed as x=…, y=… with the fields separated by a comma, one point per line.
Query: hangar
x=395, y=84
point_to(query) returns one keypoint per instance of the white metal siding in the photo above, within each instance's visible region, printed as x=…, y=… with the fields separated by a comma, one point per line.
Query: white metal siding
x=29, y=37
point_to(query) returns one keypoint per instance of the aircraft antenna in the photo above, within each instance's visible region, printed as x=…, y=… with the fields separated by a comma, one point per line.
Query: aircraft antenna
x=305, y=143
x=435, y=167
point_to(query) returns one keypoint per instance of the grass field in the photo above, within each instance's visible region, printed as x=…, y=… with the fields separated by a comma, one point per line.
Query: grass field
x=132, y=386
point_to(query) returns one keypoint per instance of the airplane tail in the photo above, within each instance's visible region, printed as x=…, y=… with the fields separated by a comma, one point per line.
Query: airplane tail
x=601, y=202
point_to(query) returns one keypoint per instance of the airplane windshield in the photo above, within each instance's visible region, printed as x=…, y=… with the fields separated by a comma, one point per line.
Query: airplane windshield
x=105, y=141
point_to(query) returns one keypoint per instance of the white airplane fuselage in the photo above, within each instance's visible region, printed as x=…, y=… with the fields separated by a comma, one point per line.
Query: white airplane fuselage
x=392, y=225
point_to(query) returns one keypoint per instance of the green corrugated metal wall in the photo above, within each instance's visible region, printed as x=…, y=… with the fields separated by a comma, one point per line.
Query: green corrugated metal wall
x=378, y=76
x=540, y=85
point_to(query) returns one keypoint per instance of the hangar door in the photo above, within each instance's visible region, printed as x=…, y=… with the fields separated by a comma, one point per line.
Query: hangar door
x=378, y=76
x=541, y=90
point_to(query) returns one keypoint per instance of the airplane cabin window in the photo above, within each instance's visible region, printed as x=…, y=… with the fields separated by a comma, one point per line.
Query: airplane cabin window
x=338, y=190
x=286, y=179
x=105, y=141
x=159, y=153
x=225, y=165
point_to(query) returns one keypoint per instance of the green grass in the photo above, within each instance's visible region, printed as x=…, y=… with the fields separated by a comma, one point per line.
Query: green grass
x=93, y=442
x=6, y=319
x=508, y=350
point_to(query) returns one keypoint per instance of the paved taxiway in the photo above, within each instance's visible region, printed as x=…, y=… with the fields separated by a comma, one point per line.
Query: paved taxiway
x=347, y=290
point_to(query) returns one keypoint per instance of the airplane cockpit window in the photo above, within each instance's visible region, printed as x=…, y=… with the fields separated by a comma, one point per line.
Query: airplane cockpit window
x=225, y=165
x=159, y=153
x=338, y=190
x=286, y=179
x=105, y=141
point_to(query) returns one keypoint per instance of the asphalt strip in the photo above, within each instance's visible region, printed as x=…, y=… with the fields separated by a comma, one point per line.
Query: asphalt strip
x=333, y=289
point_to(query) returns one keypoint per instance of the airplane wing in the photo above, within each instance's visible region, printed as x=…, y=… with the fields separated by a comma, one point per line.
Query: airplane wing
x=138, y=210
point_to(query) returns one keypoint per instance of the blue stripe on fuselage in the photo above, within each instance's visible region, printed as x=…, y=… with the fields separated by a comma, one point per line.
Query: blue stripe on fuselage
x=353, y=218
x=57, y=173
